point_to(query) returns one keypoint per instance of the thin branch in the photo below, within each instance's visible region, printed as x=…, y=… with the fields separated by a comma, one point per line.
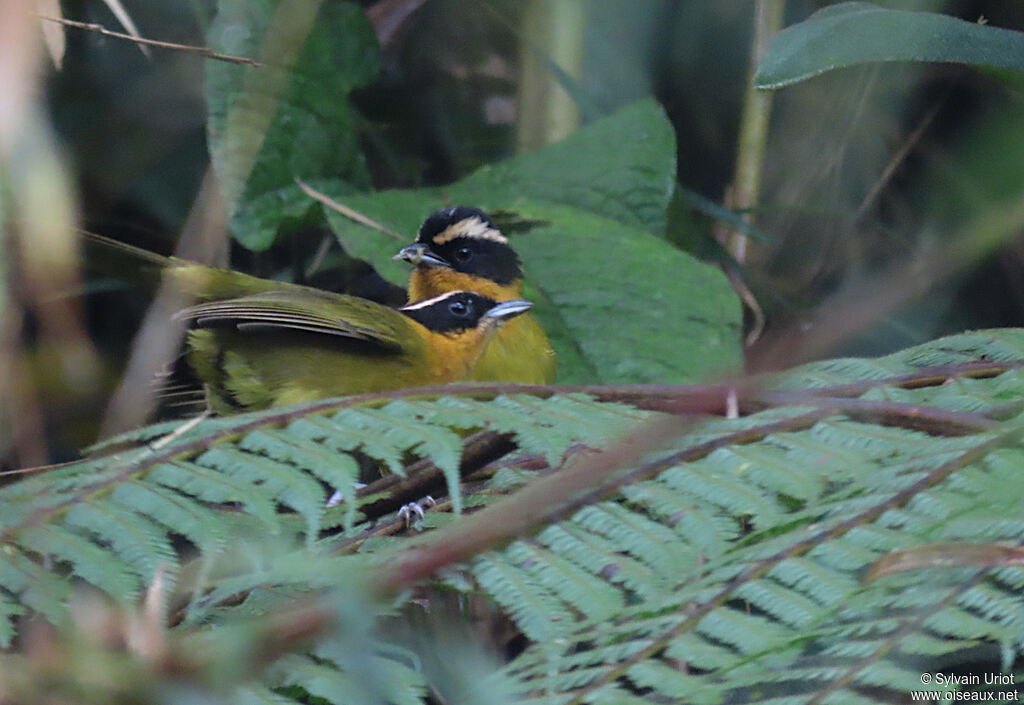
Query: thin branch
x=424, y=477
x=157, y=341
x=531, y=505
x=349, y=213
x=753, y=138
x=739, y=284
x=205, y=52
x=929, y=419
x=38, y=468
x=53, y=35
x=117, y=9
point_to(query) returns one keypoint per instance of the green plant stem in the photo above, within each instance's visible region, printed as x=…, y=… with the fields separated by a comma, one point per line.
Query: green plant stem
x=546, y=112
x=757, y=105
x=746, y=183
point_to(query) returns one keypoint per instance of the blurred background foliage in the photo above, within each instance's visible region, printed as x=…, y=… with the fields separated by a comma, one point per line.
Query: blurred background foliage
x=865, y=168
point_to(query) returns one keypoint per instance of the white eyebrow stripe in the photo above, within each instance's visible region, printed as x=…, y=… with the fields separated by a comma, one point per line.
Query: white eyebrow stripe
x=473, y=228
x=430, y=302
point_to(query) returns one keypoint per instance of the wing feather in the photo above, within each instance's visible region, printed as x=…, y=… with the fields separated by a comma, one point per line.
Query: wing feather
x=321, y=313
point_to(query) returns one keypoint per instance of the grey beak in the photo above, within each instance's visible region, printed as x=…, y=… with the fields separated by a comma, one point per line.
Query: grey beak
x=508, y=309
x=420, y=254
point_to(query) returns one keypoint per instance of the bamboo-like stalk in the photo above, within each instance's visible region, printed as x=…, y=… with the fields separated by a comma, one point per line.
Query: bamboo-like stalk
x=552, y=29
x=38, y=250
x=753, y=137
x=757, y=106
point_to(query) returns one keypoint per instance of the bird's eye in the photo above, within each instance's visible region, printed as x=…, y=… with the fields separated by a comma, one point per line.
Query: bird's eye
x=458, y=308
x=463, y=254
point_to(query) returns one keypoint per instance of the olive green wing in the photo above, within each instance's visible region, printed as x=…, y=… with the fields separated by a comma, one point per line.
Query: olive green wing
x=311, y=311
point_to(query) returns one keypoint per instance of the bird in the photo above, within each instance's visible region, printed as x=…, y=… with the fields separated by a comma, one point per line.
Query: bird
x=256, y=343
x=461, y=248
x=286, y=346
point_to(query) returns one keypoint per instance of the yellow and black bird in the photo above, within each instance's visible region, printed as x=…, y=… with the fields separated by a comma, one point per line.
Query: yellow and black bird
x=287, y=346
x=257, y=342
x=461, y=248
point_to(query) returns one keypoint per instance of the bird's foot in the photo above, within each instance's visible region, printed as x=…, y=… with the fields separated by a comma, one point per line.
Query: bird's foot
x=415, y=510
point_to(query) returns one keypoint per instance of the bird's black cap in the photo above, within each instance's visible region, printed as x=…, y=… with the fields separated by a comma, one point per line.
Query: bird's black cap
x=466, y=240
x=434, y=227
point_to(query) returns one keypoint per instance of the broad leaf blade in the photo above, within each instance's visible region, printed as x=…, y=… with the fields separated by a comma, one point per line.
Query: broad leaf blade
x=402, y=211
x=312, y=131
x=853, y=33
x=636, y=308
x=622, y=167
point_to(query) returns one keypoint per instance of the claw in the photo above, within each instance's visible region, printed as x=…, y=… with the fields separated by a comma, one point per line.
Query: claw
x=411, y=511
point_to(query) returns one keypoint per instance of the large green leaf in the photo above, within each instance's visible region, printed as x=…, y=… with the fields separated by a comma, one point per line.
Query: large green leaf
x=852, y=33
x=312, y=132
x=592, y=260
x=622, y=167
x=635, y=308
x=401, y=211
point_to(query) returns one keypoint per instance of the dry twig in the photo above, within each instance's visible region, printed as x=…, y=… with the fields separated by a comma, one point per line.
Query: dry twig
x=205, y=52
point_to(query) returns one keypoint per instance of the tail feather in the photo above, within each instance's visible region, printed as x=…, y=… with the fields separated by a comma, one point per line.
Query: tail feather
x=134, y=252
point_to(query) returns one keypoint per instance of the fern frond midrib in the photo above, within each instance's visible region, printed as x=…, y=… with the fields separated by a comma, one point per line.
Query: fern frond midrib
x=695, y=613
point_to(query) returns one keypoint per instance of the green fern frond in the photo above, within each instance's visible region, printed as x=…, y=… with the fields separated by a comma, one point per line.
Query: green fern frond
x=728, y=565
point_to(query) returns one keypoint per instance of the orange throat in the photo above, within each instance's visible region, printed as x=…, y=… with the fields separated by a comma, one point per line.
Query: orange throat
x=428, y=282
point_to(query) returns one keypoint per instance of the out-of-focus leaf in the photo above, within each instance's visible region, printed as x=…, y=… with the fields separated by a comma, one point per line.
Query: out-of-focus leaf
x=312, y=134
x=852, y=33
